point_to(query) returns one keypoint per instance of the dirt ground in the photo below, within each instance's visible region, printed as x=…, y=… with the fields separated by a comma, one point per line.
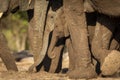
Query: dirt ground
x=22, y=74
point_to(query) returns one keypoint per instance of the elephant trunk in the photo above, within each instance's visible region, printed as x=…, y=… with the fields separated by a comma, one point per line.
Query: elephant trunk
x=52, y=46
x=40, y=11
x=39, y=23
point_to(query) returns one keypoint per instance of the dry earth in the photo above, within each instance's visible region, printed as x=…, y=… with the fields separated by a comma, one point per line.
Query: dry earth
x=22, y=74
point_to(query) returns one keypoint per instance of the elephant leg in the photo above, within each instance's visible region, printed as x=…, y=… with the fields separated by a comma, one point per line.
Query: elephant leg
x=76, y=21
x=111, y=64
x=71, y=55
x=5, y=54
x=101, y=45
x=102, y=36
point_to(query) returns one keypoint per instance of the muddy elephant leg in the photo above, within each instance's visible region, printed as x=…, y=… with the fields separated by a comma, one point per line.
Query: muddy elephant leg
x=71, y=55
x=111, y=64
x=5, y=54
x=101, y=45
x=102, y=36
x=75, y=17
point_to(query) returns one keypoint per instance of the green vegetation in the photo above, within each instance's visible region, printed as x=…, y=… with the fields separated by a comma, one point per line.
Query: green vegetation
x=15, y=28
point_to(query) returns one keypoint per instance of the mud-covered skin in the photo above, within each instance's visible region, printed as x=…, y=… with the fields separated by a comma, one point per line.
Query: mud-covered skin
x=77, y=27
x=105, y=37
x=108, y=7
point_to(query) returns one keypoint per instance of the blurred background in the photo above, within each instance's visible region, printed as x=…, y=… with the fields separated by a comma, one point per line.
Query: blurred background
x=14, y=27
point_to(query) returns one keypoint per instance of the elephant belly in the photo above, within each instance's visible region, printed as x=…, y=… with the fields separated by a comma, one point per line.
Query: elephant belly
x=108, y=7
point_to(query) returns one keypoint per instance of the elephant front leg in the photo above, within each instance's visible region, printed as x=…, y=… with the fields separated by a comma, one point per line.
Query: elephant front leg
x=101, y=45
x=75, y=18
x=5, y=54
x=102, y=36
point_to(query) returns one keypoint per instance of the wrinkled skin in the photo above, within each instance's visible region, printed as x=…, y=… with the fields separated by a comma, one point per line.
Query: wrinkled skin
x=108, y=7
x=57, y=43
x=104, y=41
x=53, y=13
x=104, y=31
x=82, y=60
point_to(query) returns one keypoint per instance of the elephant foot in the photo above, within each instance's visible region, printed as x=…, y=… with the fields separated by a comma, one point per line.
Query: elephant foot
x=111, y=63
x=80, y=73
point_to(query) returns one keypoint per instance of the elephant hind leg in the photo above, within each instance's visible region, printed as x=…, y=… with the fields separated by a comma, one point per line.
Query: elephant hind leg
x=102, y=36
x=5, y=54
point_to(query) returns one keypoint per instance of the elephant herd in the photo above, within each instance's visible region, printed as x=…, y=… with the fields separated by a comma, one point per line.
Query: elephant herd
x=89, y=29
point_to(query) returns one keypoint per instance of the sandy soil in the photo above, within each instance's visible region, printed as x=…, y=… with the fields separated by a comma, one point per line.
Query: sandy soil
x=22, y=74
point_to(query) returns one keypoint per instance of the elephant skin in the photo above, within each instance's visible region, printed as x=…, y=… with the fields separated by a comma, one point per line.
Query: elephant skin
x=111, y=64
x=108, y=8
x=76, y=26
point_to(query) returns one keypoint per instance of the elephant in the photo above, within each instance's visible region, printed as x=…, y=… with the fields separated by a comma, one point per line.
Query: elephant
x=108, y=13
x=76, y=13
x=77, y=27
x=103, y=35
x=69, y=30
x=59, y=33
x=42, y=63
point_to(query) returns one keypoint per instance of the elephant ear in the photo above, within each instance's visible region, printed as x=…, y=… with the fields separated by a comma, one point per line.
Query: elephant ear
x=4, y=5
x=26, y=4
